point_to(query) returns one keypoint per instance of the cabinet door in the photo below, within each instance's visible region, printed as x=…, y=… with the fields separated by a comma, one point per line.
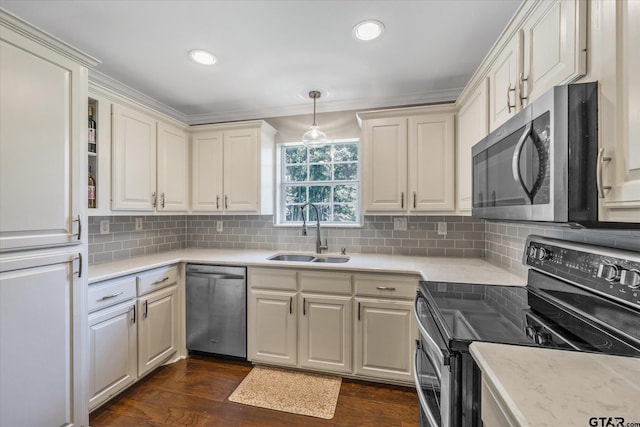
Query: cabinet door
x=173, y=164
x=134, y=160
x=325, y=332
x=41, y=354
x=112, y=351
x=41, y=142
x=431, y=163
x=385, y=165
x=473, y=125
x=503, y=83
x=206, y=168
x=622, y=172
x=385, y=333
x=157, y=320
x=555, y=46
x=241, y=170
x=271, y=327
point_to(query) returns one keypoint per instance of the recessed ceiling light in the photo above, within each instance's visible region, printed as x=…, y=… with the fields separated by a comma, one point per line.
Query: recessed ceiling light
x=202, y=57
x=368, y=30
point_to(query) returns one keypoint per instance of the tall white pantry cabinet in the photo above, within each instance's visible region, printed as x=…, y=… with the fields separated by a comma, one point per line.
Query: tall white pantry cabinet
x=43, y=217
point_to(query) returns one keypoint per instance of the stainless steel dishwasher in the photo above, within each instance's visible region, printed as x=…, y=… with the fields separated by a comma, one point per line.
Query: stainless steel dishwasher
x=216, y=305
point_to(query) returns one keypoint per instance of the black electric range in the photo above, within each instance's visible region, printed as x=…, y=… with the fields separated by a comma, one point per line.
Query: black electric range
x=578, y=297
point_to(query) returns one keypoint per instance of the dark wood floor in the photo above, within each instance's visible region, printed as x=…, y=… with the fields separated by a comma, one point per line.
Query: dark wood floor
x=194, y=392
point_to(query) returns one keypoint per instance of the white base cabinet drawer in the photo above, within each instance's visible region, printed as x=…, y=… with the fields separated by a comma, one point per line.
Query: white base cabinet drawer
x=157, y=279
x=112, y=351
x=111, y=292
x=385, y=285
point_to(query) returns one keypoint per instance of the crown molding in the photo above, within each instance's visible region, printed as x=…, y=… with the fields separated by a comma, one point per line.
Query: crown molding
x=120, y=88
x=35, y=34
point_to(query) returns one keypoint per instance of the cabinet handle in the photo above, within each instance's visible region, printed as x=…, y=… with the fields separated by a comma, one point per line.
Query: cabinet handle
x=145, y=305
x=402, y=200
x=217, y=202
x=79, y=272
x=290, y=305
x=385, y=288
x=160, y=281
x=601, y=188
x=522, y=80
x=304, y=306
x=358, y=311
x=162, y=200
x=79, y=233
x=110, y=296
x=133, y=314
x=509, y=106
x=226, y=202
x=153, y=198
x=414, y=200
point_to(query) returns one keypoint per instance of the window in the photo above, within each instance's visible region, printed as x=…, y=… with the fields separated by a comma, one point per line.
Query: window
x=327, y=176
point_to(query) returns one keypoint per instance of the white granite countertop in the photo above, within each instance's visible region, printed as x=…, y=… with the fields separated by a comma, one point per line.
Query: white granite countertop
x=446, y=269
x=544, y=387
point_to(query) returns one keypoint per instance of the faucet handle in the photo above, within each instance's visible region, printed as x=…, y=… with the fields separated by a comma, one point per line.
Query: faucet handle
x=343, y=251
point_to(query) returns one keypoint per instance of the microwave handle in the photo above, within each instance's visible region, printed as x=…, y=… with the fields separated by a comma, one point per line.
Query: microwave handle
x=515, y=162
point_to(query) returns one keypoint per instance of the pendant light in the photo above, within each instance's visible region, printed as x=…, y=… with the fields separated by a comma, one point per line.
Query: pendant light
x=314, y=136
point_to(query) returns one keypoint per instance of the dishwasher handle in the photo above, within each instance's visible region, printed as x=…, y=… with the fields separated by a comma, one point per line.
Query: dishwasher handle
x=214, y=276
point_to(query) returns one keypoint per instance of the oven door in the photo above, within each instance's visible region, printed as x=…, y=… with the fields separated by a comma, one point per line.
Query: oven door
x=430, y=370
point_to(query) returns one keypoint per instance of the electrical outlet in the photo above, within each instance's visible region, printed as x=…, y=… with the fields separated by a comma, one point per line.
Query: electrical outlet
x=104, y=226
x=400, y=224
x=138, y=224
x=442, y=228
x=219, y=226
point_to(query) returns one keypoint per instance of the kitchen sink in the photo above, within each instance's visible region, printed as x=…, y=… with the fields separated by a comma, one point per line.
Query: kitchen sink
x=308, y=258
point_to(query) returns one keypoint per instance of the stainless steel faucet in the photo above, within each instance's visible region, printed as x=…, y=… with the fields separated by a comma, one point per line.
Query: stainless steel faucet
x=319, y=246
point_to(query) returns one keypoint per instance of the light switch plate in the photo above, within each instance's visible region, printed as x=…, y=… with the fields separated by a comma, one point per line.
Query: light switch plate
x=400, y=224
x=442, y=228
x=219, y=226
x=138, y=224
x=104, y=226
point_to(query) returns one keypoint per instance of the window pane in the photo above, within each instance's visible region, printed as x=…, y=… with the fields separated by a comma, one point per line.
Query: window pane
x=297, y=194
x=319, y=172
x=345, y=193
x=319, y=194
x=345, y=153
x=296, y=173
x=320, y=154
x=292, y=213
x=295, y=154
x=324, y=211
x=344, y=213
x=345, y=172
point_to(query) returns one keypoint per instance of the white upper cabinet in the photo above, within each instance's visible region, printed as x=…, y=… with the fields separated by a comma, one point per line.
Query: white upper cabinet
x=408, y=160
x=618, y=65
x=473, y=125
x=503, y=83
x=173, y=165
x=385, y=164
x=555, y=46
x=232, y=168
x=149, y=163
x=42, y=168
x=134, y=160
x=431, y=163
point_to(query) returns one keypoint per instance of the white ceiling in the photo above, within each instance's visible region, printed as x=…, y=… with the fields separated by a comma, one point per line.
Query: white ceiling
x=272, y=52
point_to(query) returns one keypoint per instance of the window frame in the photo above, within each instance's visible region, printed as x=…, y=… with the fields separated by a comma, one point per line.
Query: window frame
x=280, y=205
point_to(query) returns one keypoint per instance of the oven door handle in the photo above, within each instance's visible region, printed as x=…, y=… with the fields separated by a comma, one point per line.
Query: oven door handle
x=433, y=349
x=423, y=401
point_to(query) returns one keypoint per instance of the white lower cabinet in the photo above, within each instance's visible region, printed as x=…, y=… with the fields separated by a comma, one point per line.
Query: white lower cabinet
x=133, y=328
x=309, y=319
x=271, y=322
x=112, y=350
x=384, y=336
x=325, y=332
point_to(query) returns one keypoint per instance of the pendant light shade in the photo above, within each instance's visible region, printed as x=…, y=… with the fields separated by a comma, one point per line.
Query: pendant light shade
x=314, y=136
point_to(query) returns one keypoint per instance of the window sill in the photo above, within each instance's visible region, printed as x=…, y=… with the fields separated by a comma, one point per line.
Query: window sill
x=313, y=224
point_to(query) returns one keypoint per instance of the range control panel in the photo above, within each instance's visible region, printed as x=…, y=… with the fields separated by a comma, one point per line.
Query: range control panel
x=605, y=270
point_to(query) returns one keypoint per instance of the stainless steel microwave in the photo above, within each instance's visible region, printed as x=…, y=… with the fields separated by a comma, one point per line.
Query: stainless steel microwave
x=541, y=164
